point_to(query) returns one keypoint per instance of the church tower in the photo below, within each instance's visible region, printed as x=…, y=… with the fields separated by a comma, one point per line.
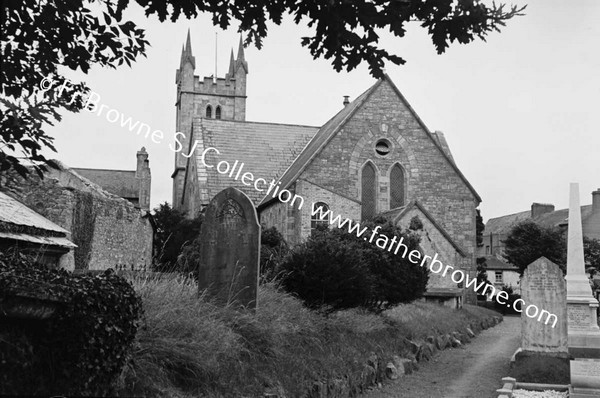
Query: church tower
x=211, y=98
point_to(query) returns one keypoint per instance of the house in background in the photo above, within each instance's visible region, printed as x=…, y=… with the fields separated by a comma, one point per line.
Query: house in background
x=133, y=185
x=501, y=273
x=498, y=228
x=32, y=233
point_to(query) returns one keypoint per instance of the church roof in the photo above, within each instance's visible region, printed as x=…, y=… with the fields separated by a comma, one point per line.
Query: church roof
x=330, y=129
x=266, y=149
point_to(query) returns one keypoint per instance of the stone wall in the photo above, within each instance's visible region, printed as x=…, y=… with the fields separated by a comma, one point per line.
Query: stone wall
x=108, y=231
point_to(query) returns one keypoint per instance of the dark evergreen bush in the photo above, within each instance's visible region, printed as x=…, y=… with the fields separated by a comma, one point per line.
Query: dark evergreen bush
x=82, y=348
x=273, y=249
x=337, y=269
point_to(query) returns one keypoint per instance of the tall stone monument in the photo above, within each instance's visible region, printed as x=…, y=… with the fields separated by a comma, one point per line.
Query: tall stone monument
x=229, y=255
x=584, y=333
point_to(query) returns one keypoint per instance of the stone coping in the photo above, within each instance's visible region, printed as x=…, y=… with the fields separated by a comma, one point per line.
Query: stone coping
x=509, y=384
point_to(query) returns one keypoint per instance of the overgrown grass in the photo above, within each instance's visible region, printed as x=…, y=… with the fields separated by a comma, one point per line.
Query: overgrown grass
x=190, y=347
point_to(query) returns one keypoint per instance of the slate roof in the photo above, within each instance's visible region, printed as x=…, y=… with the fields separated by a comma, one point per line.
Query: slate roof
x=502, y=225
x=493, y=263
x=13, y=212
x=396, y=214
x=266, y=149
x=118, y=182
x=330, y=129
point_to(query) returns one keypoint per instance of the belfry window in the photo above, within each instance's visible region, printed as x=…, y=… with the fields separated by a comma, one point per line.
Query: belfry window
x=218, y=112
x=208, y=112
x=368, y=191
x=396, y=187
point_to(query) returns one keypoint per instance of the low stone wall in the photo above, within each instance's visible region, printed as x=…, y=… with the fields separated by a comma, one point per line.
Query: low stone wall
x=377, y=370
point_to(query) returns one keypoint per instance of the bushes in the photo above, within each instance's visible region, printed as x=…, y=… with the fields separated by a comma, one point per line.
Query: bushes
x=273, y=248
x=339, y=270
x=82, y=348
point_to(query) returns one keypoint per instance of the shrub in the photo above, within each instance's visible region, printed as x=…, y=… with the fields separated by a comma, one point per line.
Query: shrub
x=83, y=347
x=273, y=248
x=337, y=269
x=508, y=307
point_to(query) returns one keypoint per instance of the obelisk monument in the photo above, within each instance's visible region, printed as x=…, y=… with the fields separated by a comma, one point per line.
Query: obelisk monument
x=584, y=333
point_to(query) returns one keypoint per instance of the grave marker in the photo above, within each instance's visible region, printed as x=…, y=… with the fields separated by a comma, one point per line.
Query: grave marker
x=230, y=250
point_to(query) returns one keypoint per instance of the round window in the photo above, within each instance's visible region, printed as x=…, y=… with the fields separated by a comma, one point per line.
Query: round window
x=383, y=147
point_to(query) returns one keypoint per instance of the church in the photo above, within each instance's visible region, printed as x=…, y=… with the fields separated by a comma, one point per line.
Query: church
x=374, y=157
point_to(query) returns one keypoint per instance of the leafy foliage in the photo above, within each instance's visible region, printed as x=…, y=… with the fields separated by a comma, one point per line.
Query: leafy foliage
x=508, y=308
x=273, y=249
x=479, y=228
x=591, y=252
x=337, y=269
x=347, y=32
x=173, y=232
x=482, y=271
x=528, y=241
x=37, y=38
x=82, y=348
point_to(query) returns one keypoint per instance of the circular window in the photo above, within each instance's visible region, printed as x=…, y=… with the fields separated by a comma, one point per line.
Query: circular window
x=383, y=147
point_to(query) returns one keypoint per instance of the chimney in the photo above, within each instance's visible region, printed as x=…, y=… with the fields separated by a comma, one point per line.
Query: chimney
x=537, y=209
x=142, y=163
x=346, y=100
x=596, y=201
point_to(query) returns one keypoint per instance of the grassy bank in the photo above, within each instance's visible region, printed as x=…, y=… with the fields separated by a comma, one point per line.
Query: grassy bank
x=190, y=347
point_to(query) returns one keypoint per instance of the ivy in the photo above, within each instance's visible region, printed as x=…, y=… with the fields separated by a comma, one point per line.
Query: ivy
x=83, y=347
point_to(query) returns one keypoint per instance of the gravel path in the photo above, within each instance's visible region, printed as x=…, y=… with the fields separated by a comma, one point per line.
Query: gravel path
x=473, y=371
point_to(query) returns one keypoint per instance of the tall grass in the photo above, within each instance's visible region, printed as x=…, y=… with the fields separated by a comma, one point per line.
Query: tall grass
x=191, y=347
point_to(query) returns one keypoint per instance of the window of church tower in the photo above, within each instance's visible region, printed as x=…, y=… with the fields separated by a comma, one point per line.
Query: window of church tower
x=396, y=186
x=218, y=112
x=208, y=112
x=368, y=192
x=315, y=219
x=383, y=147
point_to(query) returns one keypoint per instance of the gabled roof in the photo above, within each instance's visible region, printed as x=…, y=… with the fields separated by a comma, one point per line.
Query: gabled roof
x=394, y=215
x=330, y=129
x=320, y=139
x=118, y=182
x=266, y=149
x=502, y=225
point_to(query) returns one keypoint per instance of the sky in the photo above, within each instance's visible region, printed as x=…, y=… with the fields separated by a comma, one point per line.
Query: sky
x=520, y=112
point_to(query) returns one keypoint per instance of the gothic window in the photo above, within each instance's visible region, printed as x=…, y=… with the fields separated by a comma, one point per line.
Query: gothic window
x=319, y=217
x=396, y=187
x=368, y=191
x=208, y=112
x=218, y=112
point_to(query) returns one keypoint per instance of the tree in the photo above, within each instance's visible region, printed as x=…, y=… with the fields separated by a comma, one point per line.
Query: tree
x=481, y=264
x=173, y=232
x=528, y=241
x=39, y=36
x=591, y=252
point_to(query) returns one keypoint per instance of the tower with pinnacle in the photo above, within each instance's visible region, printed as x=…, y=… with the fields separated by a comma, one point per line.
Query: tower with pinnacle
x=211, y=97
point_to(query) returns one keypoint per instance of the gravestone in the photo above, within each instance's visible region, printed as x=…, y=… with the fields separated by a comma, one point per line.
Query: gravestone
x=544, y=286
x=230, y=249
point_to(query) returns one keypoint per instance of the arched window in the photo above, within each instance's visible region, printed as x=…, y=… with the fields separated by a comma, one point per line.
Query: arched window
x=218, y=112
x=319, y=217
x=208, y=112
x=368, y=191
x=396, y=186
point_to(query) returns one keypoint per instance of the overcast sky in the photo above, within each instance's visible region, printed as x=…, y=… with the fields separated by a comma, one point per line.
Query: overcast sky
x=521, y=112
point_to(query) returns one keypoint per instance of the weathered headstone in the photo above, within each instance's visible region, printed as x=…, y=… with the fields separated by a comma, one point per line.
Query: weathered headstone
x=230, y=249
x=544, y=286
